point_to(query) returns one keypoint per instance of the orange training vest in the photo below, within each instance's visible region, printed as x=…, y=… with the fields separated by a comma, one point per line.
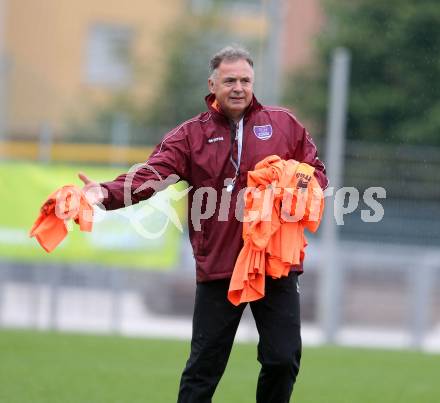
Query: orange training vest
x=67, y=202
x=283, y=198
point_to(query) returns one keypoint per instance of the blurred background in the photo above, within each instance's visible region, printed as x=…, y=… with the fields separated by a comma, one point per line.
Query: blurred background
x=92, y=85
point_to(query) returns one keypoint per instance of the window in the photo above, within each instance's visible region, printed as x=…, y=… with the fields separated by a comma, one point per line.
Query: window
x=108, y=58
x=240, y=6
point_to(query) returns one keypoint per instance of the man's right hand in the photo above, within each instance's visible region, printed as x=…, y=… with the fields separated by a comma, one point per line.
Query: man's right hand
x=94, y=192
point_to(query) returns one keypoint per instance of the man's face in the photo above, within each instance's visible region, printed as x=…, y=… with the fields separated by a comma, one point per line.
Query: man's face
x=233, y=87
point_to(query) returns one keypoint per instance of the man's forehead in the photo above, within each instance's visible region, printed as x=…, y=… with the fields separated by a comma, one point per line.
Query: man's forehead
x=235, y=68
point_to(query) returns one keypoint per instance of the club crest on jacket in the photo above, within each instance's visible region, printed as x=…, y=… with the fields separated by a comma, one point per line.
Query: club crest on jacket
x=263, y=132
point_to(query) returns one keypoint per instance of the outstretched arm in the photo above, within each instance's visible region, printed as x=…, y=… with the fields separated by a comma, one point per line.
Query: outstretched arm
x=167, y=164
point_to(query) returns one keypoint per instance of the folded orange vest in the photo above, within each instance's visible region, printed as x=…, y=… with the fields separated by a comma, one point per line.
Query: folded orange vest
x=67, y=202
x=283, y=198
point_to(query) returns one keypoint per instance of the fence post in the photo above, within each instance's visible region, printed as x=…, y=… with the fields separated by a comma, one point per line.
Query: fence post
x=4, y=69
x=272, y=53
x=116, y=309
x=421, y=285
x=45, y=144
x=3, y=276
x=34, y=297
x=54, y=300
x=331, y=270
x=120, y=134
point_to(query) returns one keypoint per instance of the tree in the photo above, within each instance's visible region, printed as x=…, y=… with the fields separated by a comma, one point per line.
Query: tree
x=395, y=65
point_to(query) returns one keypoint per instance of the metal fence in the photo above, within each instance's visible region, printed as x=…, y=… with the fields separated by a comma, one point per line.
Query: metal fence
x=387, y=297
x=411, y=177
x=385, y=291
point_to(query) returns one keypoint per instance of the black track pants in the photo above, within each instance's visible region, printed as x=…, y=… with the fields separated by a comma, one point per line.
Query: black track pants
x=215, y=322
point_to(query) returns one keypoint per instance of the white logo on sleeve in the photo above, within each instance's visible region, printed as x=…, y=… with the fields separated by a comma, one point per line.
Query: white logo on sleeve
x=215, y=139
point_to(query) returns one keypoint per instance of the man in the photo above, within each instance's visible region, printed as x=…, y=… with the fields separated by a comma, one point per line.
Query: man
x=216, y=149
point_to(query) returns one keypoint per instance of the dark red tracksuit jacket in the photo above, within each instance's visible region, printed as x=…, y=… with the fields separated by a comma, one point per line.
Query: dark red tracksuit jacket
x=199, y=152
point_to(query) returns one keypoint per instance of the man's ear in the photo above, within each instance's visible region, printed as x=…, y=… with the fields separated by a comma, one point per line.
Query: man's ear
x=211, y=85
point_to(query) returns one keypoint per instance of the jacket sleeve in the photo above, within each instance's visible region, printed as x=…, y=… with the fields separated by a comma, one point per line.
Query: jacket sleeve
x=305, y=151
x=167, y=164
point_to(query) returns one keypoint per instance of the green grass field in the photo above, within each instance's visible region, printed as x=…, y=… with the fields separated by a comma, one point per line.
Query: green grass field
x=39, y=367
x=24, y=186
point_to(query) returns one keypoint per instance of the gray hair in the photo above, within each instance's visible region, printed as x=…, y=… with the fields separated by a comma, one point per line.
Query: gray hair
x=230, y=54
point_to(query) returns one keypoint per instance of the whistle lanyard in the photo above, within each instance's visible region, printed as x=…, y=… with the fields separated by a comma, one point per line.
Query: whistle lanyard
x=236, y=135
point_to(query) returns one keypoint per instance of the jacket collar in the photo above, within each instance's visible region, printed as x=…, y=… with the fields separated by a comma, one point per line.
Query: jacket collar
x=214, y=108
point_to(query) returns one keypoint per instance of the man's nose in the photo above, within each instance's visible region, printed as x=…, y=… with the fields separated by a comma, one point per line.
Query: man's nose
x=238, y=87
